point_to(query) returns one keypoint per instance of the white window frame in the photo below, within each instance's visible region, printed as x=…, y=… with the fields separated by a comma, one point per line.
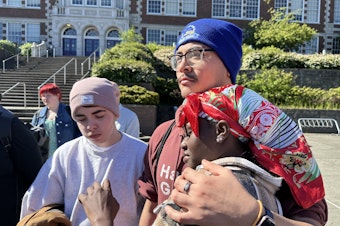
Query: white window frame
x=171, y=7
x=154, y=12
x=236, y=9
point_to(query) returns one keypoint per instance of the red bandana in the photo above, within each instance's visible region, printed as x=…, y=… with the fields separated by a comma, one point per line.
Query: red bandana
x=295, y=162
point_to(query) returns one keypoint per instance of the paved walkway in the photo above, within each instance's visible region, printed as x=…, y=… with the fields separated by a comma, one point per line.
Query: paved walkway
x=326, y=149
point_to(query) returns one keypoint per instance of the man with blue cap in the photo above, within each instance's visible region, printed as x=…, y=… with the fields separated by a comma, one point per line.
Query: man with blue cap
x=207, y=55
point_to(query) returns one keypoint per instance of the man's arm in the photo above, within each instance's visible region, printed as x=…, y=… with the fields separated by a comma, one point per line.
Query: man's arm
x=148, y=217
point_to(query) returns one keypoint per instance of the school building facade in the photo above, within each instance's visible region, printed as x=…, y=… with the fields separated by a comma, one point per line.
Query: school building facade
x=78, y=27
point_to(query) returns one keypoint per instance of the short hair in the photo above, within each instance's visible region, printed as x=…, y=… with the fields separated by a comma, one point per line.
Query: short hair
x=50, y=88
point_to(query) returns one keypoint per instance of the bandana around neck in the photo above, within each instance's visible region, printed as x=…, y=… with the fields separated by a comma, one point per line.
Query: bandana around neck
x=295, y=162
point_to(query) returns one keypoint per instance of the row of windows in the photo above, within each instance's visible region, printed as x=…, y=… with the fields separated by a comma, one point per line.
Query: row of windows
x=169, y=38
x=172, y=7
x=120, y=4
x=14, y=32
x=19, y=3
x=304, y=11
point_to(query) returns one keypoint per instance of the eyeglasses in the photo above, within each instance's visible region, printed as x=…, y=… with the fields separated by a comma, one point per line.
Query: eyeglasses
x=193, y=57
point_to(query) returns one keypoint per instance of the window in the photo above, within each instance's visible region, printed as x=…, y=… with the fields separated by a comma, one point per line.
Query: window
x=77, y=2
x=153, y=36
x=92, y=32
x=14, y=33
x=14, y=3
x=236, y=9
x=120, y=4
x=33, y=33
x=1, y=31
x=162, y=37
x=170, y=38
x=171, y=7
x=70, y=32
x=33, y=3
x=252, y=9
x=336, y=45
x=297, y=9
x=309, y=47
x=189, y=7
x=154, y=6
x=218, y=8
x=312, y=15
x=337, y=11
x=105, y=3
x=112, y=38
x=280, y=4
x=91, y=2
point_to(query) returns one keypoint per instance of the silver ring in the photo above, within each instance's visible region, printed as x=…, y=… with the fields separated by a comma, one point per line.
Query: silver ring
x=187, y=187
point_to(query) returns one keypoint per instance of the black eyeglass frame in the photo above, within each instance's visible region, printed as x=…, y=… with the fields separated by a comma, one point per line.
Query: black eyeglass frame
x=174, y=62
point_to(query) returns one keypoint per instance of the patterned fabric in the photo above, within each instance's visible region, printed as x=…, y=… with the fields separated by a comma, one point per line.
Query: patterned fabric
x=274, y=138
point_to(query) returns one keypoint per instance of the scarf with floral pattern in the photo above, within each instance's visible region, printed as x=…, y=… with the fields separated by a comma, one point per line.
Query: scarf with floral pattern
x=274, y=138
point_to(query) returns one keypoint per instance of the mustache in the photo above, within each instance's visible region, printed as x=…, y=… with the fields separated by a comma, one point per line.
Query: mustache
x=190, y=76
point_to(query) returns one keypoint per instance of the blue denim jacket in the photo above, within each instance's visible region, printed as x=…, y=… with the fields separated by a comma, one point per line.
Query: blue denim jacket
x=66, y=128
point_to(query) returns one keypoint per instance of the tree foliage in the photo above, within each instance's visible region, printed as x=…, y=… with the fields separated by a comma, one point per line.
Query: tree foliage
x=130, y=36
x=280, y=31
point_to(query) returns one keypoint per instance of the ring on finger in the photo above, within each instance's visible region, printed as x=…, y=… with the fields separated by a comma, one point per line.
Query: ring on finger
x=187, y=187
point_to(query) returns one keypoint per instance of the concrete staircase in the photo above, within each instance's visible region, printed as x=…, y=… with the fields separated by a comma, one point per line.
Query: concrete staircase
x=31, y=76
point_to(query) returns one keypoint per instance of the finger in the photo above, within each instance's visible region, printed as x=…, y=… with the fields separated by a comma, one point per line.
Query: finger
x=96, y=185
x=81, y=198
x=180, y=183
x=107, y=185
x=178, y=216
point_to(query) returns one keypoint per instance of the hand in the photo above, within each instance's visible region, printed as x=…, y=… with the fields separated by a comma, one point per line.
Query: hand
x=212, y=200
x=100, y=206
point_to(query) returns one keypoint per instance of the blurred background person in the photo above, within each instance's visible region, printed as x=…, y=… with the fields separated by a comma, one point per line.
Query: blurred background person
x=55, y=117
x=128, y=120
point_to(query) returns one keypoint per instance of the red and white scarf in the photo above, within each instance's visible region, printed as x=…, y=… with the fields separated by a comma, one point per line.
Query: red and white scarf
x=274, y=138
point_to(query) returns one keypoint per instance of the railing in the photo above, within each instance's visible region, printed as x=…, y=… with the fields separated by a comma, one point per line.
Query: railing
x=89, y=63
x=39, y=50
x=318, y=123
x=4, y=62
x=55, y=74
x=12, y=87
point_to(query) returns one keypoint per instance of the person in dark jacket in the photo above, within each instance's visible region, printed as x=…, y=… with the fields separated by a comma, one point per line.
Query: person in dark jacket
x=20, y=162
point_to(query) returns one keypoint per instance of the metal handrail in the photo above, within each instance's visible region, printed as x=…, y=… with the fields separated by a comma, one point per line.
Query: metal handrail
x=54, y=75
x=88, y=59
x=12, y=87
x=4, y=62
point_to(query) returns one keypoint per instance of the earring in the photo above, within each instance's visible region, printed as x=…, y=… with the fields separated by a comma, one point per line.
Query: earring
x=219, y=139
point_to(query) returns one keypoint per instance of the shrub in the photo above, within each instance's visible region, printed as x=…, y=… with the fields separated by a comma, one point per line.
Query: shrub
x=168, y=91
x=128, y=50
x=8, y=47
x=25, y=49
x=125, y=71
x=137, y=95
x=273, y=84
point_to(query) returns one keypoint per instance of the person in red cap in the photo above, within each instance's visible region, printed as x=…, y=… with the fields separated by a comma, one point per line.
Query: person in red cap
x=207, y=55
x=101, y=153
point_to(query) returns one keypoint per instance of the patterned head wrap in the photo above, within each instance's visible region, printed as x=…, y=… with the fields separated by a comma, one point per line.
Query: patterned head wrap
x=274, y=139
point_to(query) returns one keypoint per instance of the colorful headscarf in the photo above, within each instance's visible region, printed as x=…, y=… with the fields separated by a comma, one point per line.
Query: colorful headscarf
x=274, y=139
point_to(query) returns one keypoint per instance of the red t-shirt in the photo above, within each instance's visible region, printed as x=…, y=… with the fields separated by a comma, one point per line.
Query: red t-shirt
x=170, y=164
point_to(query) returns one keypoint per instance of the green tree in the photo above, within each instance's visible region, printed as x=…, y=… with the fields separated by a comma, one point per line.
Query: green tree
x=280, y=31
x=130, y=36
